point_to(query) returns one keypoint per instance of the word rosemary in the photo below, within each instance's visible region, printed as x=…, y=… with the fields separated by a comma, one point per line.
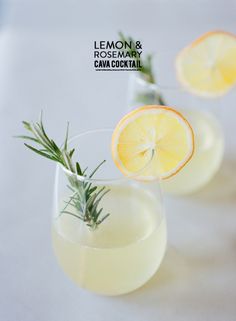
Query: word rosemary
x=86, y=197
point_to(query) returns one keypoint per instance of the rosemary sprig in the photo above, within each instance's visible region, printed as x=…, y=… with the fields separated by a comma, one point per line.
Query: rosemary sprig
x=146, y=72
x=86, y=197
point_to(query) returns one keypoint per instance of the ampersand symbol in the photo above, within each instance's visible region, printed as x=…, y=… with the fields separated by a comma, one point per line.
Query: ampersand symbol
x=138, y=45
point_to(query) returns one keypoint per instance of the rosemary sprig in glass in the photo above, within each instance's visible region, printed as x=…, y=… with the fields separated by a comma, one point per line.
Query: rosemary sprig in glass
x=146, y=73
x=86, y=197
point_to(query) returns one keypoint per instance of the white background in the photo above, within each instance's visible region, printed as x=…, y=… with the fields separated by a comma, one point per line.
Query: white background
x=46, y=50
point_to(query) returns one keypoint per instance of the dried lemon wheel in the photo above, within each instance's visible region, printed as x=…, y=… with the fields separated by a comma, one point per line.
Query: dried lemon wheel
x=207, y=67
x=152, y=142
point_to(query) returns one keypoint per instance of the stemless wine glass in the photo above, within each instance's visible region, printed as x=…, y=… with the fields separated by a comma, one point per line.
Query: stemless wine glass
x=127, y=247
x=202, y=113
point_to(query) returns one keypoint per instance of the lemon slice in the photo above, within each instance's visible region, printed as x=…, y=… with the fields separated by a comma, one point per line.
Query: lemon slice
x=207, y=67
x=152, y=142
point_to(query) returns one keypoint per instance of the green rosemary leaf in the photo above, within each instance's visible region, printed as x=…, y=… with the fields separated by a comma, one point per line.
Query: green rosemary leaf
x=27, y=125
x=101, y=190
x=96, y=169
x=90, y=201
x=104, y=217
x=87, y=186
x=56, y=149
x=40, y=137
x=68, y=203
x=99, y=212
x=95, y=195
x=71, y=152
x=70, y=213
x=40, y=152
x=66, y=138
x=71, y=188
x=91, y=190
x=69, y=162
x=84, y=171
x=95, y=203
x=78, y=169
x=27, y=137
x=42, y=127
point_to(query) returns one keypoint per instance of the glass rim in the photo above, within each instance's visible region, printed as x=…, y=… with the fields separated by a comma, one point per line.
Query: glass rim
x=159, y=87
x=175, y=88
x=120, y=179
x=178, y=89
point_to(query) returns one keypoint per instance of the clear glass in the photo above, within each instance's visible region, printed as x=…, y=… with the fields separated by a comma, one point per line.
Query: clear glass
x=202, y=113
x=127, y=248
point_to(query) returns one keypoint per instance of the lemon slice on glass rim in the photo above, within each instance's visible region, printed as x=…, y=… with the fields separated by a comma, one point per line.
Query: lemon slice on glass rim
x=152, y=142
x=207, y=67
